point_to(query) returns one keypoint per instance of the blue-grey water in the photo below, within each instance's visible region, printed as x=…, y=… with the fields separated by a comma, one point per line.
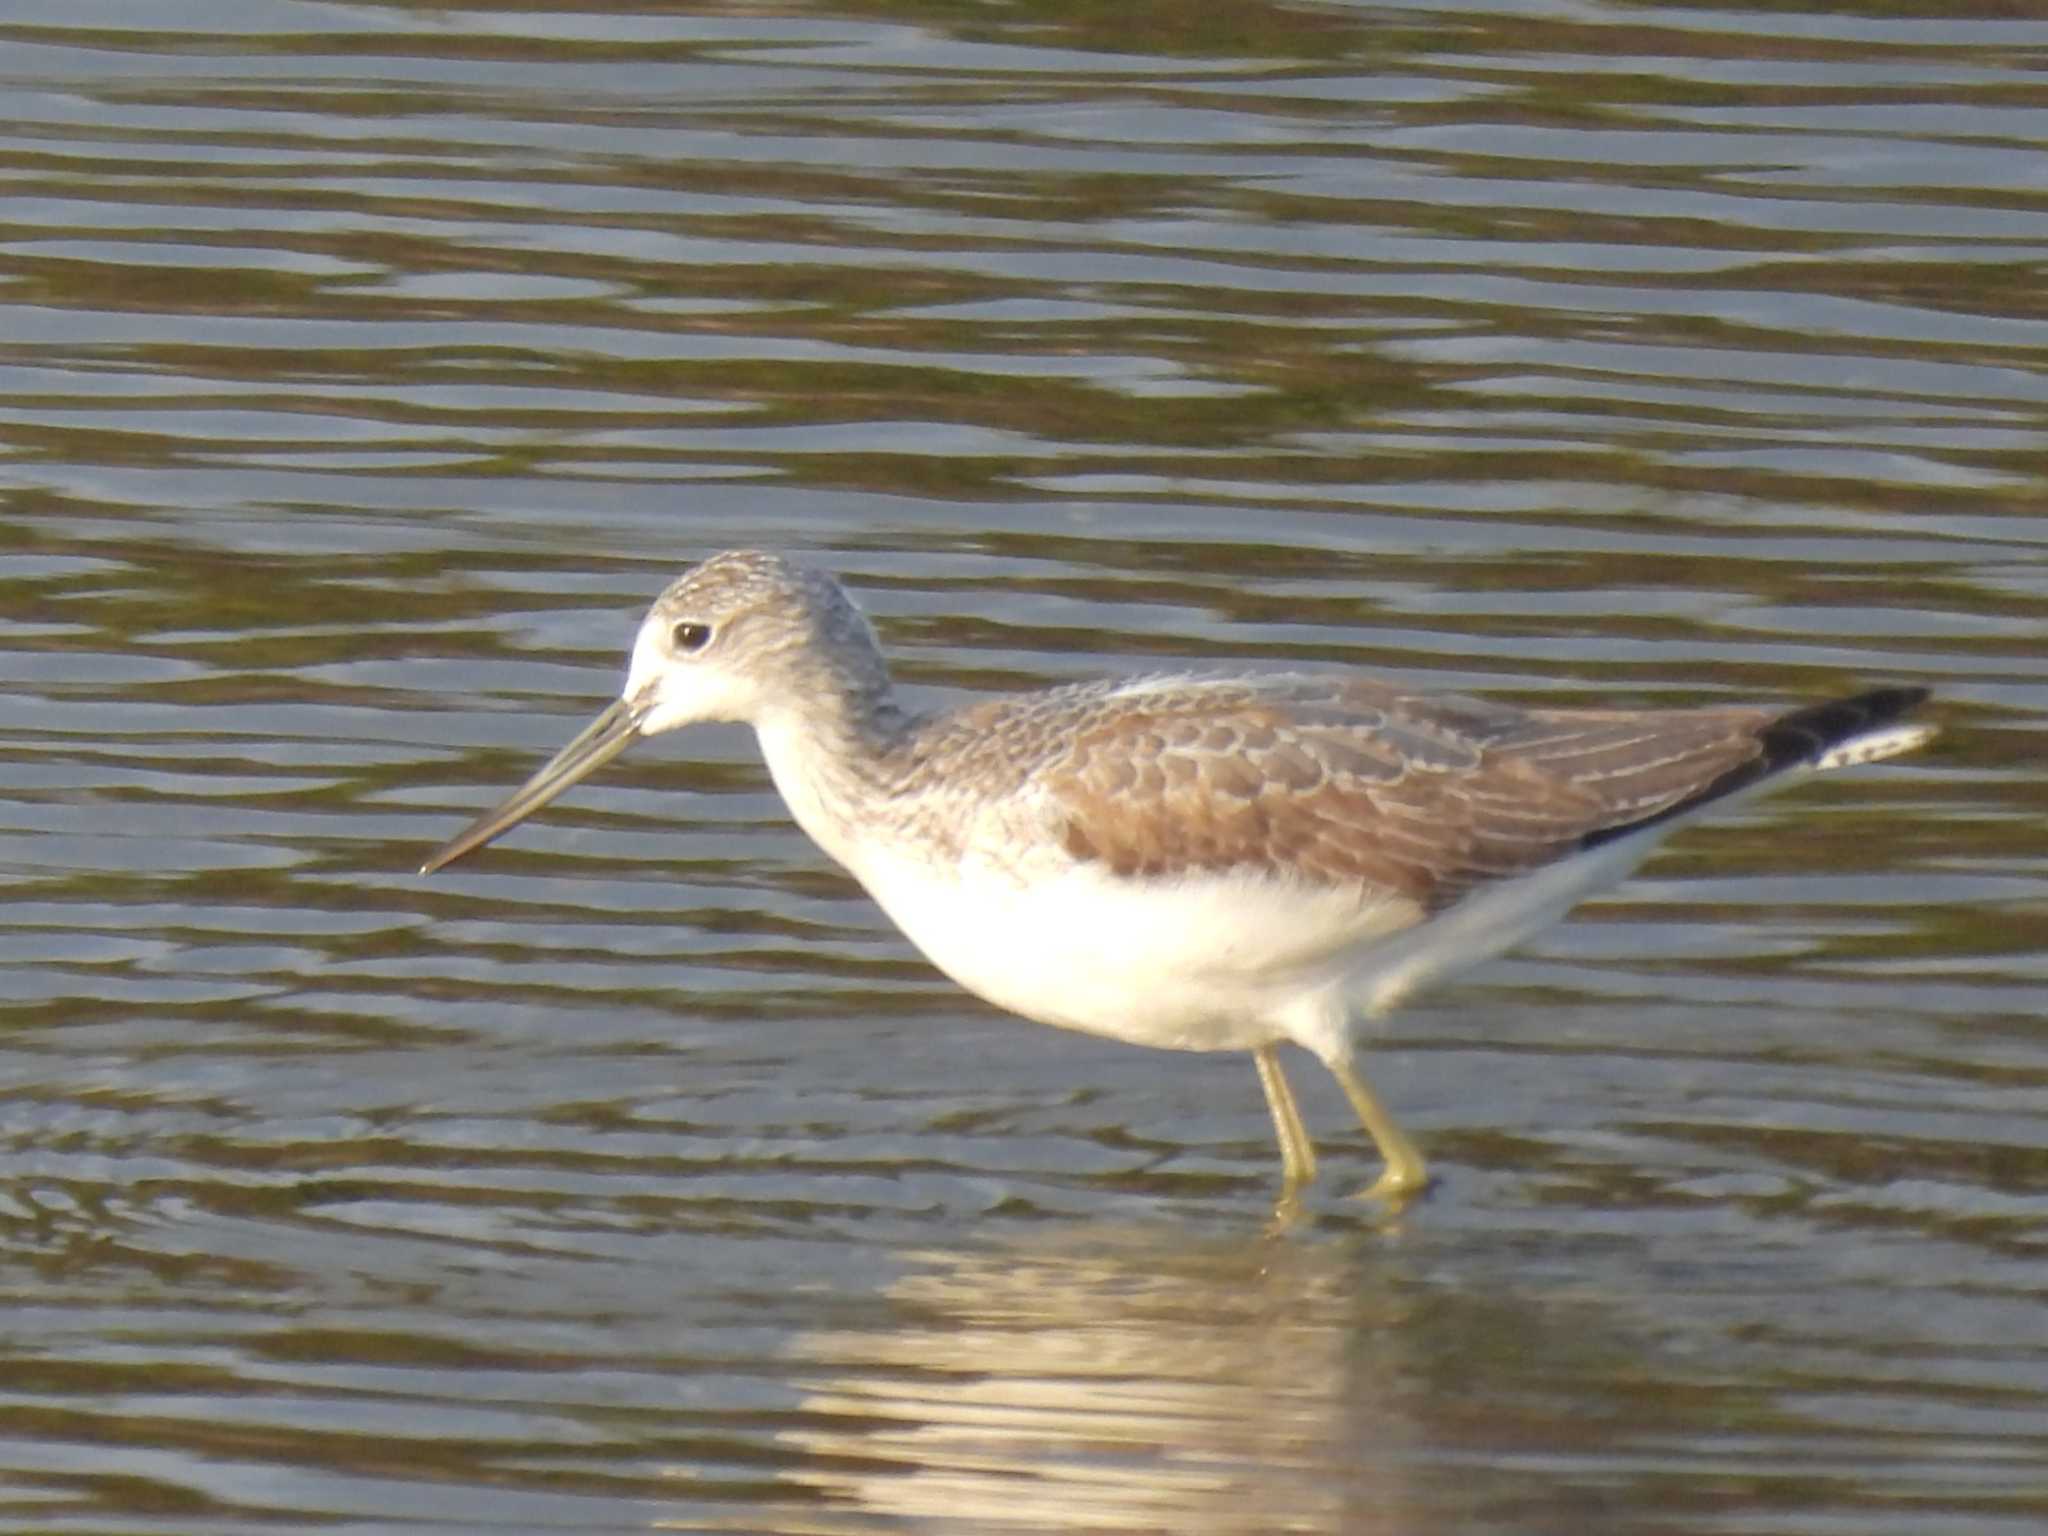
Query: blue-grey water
x=364, y=369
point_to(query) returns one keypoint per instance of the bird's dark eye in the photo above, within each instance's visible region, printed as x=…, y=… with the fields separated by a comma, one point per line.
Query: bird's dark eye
x=690, y=635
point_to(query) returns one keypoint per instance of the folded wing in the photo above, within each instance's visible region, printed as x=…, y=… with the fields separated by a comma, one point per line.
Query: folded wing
x=1353, y=782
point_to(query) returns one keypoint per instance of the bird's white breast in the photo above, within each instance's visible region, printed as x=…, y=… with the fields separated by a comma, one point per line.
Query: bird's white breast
x=1200, y=962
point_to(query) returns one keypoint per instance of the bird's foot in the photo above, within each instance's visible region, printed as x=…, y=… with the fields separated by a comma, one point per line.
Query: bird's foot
x=1399, y=1186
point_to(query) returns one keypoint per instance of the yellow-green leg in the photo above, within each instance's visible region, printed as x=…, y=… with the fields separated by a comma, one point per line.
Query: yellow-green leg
x=1404, y=1175
x=1297, y=1152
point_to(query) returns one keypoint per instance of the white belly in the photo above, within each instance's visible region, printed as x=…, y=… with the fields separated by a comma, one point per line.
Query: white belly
x=1212, y=962
x=1205, y=963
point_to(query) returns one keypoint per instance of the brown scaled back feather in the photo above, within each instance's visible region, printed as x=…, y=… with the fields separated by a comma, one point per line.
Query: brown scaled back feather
x=1358, y=783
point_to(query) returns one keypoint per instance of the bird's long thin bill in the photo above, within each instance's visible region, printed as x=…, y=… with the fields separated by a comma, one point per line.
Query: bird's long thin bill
x=604, y=739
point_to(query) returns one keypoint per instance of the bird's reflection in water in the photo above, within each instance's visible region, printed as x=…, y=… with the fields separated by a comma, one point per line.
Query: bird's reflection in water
x=1139, y=1380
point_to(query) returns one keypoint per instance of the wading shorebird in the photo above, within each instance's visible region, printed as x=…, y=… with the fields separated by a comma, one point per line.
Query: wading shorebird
x=1205, y=862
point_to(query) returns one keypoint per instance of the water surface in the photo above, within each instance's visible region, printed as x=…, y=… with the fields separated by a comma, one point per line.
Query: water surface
x=365, y=369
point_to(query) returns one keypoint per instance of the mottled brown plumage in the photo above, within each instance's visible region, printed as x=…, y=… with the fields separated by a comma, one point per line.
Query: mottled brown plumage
x=1349, y=780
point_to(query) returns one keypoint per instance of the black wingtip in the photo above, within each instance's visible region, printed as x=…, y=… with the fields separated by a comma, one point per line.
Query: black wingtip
x=1802, y=737
x=1806, y=734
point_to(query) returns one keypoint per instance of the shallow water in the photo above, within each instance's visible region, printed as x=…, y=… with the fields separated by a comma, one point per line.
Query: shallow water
x=366, y=369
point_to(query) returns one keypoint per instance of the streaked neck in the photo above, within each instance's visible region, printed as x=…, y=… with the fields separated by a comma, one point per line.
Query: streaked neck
x=828, y=742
